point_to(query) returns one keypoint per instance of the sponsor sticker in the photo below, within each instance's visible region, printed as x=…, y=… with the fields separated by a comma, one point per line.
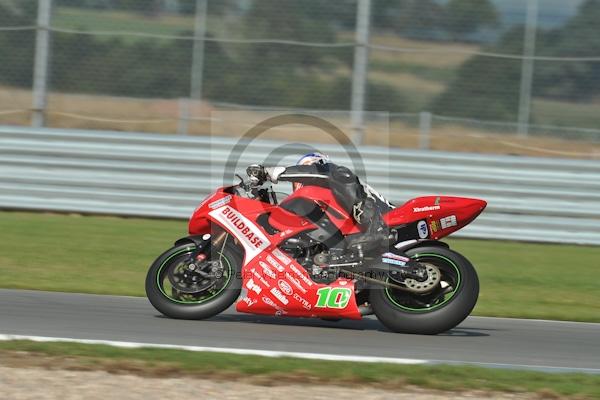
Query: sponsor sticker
x=301, y=275
x=285, y=233
x=305, y=303
x=250, y=302
x=422, y=229
x=259, y=277
x=333, y=297
x=267, y=270
x=252, y=286
x=395, y=256
x=391, y=258
x=434, y=226
x=279, y=296
x=393, y=261
x=285, y=287
x=275, y=264
x=426, y=208
x=249, y=235
x=294, y=281
x=268, y=301
x=221, y=202
x=282, y=257
x=448, y=222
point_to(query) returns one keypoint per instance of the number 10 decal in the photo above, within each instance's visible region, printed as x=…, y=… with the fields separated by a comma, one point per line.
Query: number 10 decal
x=333, y=297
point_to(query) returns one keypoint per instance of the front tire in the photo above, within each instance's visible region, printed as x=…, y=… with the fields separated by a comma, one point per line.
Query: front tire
x=438, y=311
x=175, y=304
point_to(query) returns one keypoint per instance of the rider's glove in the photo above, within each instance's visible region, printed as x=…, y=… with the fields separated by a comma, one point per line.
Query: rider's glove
x=273, y=173
x=257, y=174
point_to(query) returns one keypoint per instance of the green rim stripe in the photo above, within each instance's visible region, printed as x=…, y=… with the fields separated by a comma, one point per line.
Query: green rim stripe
x=187, y=249
x=420, y=310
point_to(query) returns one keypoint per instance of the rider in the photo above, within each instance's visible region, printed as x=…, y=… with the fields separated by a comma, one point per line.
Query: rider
x=358, y=199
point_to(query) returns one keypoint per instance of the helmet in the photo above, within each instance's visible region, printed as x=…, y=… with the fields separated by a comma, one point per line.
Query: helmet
x=313, y=158
x=310, y=159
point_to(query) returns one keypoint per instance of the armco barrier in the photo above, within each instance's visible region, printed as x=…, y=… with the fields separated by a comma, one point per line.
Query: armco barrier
x=531, y=199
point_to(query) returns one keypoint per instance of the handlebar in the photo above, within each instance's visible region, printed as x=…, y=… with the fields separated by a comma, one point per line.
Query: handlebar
x=253, y=186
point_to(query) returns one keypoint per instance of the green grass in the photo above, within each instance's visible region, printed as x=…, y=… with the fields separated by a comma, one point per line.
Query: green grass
x=110, y=255
x=105, y=255
x=159, y=362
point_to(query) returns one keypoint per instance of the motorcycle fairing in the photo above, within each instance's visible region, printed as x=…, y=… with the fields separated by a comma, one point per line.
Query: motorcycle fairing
x=325, y=199
x=433, y=217
x=428, y=217
x=286, y=223
x=248, y=234
x=278, y=285
x=275, y=283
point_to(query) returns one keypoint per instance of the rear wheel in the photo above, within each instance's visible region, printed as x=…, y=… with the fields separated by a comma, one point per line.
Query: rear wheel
x=178, y=291
x=438, y=310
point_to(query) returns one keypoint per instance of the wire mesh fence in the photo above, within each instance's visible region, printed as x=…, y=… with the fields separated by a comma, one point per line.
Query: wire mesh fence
x=517, y=77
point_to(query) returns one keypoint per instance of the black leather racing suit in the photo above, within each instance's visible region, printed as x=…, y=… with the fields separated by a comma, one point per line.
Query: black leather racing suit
x=359, y=200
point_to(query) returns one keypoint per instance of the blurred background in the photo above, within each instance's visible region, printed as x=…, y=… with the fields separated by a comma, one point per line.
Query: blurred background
x=497, y=76
x=132, y=107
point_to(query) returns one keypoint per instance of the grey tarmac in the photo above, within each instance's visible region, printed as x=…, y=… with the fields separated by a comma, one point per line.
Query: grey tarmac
x=495, y=342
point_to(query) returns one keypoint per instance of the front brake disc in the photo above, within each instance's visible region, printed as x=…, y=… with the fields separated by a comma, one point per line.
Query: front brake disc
x=188, y=281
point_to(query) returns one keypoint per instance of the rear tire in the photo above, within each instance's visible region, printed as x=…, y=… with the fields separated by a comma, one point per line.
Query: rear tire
x=448, y=312
x=166, y=300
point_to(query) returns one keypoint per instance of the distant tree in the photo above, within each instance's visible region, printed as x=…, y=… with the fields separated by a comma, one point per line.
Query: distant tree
x=420, y=17
x=413, y=17
x=578, y=38
x=384, y=13
x=486, y=87
x=16, y=65
x=259, y=74
x=467, y=16
x=17, y=12
x=288, y=20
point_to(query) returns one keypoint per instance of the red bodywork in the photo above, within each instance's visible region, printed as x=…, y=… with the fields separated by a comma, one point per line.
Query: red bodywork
x=276, y=284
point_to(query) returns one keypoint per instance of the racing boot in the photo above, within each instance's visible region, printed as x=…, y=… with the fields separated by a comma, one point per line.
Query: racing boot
x=376, y=234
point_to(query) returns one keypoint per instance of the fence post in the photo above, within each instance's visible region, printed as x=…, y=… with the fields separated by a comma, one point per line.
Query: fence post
x=359, y=71
x=527, y=67
x=197, y=58
x=424, y=130
x=40, y=67
x=184, y=116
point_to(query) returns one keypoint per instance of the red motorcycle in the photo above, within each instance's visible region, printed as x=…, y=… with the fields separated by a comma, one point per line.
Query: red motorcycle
x=294, y=259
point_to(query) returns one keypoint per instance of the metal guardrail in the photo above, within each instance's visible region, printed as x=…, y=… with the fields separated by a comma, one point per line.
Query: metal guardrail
x=152, y=175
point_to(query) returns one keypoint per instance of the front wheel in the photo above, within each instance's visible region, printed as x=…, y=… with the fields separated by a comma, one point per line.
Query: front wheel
x=178, y=291
x=437, y=311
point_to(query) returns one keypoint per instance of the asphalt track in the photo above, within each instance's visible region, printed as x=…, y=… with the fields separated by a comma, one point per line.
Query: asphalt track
x=537, y=344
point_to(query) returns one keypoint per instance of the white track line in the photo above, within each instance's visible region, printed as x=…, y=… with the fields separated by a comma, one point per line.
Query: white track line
x=264, y=353
x=310, y=356
x=549, y=321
